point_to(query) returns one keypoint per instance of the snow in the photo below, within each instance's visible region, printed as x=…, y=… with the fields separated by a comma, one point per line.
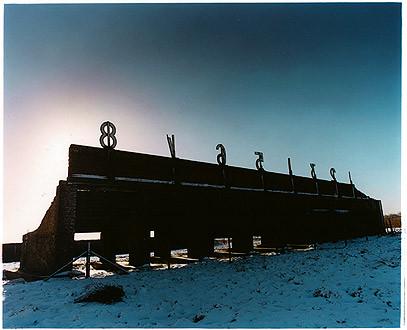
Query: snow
x=88, y=236
x=334, y=285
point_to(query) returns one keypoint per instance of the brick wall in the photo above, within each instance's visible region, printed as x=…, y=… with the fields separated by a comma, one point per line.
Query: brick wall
x=51, y=245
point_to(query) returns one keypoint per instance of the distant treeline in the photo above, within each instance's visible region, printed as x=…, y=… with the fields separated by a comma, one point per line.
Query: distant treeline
x=393, y=220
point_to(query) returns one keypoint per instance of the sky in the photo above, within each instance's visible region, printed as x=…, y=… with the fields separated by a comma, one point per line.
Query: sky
x=319, y=83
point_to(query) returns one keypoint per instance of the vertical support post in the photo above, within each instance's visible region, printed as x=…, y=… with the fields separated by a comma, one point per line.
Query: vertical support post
x=332, y=172
x=391, y=226
x=161, y=244
x=230, y=250
x=262, y=179
x=87, y=275
x=221, y=159
x=259, y=166
x=382, y=216
x=109, y=234
x=224, y=176
x=200, y=245
x=242, y=242
x=314, y=176
x=110, y=169
x=108, y=244
x=139, y=244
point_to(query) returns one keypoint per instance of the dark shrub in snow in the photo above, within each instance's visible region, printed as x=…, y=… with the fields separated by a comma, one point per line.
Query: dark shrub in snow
x=105, y=294
x=322, y=293
x=198, y=317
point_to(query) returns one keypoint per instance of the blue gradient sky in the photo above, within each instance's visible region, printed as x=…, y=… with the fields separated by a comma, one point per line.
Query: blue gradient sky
x=318, y=83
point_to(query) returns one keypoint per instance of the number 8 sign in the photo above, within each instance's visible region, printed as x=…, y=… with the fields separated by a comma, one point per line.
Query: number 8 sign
x=108, y=131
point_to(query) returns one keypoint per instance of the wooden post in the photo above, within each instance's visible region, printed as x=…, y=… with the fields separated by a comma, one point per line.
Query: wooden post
x=139, y=244
x=262, y=179
x=200, y=245
x=161, y=244
x=314, y=176
x=332, y=172
x=108, y=243
x=242, y=242
x=230, y=250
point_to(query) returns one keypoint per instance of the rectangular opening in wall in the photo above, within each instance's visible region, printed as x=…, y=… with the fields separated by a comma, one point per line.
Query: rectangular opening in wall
x=179, y=253
x=256, y=241
x=221, y=244
x=152, y=234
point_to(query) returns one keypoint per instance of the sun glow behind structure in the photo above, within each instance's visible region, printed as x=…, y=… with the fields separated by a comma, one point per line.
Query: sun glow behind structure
x=38, y=156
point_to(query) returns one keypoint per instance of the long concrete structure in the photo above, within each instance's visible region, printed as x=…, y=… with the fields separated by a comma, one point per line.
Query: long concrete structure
x=126, y=195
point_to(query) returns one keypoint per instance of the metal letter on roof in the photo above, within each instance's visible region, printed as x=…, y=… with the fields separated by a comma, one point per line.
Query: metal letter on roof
x=108, y=131
x=260, y=160
x=221, y=158
x=313, y=174
x=171, y=145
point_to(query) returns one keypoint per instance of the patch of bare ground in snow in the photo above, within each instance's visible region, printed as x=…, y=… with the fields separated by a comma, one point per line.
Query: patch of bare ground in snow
x=357, y=285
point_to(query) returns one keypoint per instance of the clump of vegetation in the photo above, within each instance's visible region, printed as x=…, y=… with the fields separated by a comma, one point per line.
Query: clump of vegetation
x=105, y=294
x=322, y=293
x=198, y=317
x=355, y=293
x=393, y=220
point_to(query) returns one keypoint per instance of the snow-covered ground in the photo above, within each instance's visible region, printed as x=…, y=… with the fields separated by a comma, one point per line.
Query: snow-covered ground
x=331, y=286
